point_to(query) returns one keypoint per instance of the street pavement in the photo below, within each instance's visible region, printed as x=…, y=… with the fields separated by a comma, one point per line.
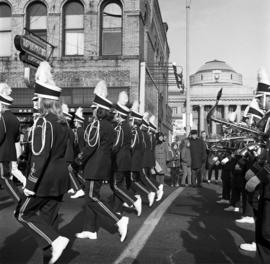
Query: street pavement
x=186, y=227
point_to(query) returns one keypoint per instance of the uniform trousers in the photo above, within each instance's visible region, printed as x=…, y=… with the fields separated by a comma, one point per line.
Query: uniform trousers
x=262, y=232
x=97, y=212
x=148, y=180
x=5, y=173
x=135, y=184
x=226, y=184
x=39, y=216
x=121, y=192
x=76, y=181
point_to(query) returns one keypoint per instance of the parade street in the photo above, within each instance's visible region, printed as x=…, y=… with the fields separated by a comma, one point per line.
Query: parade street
x=187, y=226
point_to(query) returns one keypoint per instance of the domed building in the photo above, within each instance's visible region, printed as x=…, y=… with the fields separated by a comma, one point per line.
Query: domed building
x=204, y=86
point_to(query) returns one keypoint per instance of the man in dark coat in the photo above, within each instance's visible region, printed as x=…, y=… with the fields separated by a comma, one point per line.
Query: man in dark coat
x=198, y=157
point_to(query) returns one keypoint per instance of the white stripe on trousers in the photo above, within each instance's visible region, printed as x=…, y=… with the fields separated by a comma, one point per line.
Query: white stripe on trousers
x=149, y=181
x=106, y=209
x=31, y=225
x=8, y=184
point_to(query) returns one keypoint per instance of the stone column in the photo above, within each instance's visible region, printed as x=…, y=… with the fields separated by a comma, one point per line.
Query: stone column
x=238, y=113
x=202, y=118
x=226, y=111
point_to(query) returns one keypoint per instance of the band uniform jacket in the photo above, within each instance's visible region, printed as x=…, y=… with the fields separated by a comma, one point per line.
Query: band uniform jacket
x=123, y=155
x=9, y=135
x=49, y=174
x=137, y=149
x=70, y=152
x=147, y=161
x=153, y=146
x=79, y=141
x=96, y=159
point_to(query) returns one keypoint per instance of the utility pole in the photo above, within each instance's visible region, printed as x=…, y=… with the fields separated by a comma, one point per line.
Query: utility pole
x=188, y=2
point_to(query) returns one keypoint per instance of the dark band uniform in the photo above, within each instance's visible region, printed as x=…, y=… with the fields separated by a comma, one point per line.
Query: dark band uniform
x=9, y=134
x=48, y=178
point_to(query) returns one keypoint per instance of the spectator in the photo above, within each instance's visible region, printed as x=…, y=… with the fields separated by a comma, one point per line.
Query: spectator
x=161, y=152
x=174, y=164
x=204, y=165
x=198, y=157
x=186, y=163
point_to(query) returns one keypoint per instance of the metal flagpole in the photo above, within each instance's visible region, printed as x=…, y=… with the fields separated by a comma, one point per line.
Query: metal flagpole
x=188, y=2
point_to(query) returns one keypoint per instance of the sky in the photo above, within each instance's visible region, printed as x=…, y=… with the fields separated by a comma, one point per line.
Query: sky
x=234, y=31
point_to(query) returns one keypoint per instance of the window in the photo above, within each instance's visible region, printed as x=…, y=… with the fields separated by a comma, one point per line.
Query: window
x=174, y=110
x=111, y=28
x=5, y=30
x=36, y=19
x=73, y=28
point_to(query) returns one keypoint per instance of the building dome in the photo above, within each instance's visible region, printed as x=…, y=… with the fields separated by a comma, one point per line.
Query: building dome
x=215, y=65
x=216, y=72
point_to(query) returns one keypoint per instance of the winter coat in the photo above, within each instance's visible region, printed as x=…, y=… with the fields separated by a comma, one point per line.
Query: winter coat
x=198, y=153
x=185, y=155
x=161, y=153
x=174, y=161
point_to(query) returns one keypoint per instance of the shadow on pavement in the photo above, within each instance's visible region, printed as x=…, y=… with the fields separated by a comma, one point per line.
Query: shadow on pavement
x=212, y=236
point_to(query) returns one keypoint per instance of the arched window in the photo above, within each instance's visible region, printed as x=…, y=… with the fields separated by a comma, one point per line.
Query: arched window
x=111, y=28
x=73, y=28
x=5, y=30
x=36, y=19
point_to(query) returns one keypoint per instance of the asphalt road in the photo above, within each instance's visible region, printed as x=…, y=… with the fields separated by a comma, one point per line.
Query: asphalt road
x=186, y=227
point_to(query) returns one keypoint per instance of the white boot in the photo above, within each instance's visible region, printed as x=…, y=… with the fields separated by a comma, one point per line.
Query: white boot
x=138, y=205
x=78, y=194
x=151, y=198
x=58, y=246
x=248, y=247
x=122, y=227
x=71, y=190
x=160, y=192
x=87, y=234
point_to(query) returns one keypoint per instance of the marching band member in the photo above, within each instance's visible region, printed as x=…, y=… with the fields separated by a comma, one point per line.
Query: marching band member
x=9, y=135
x=147, y=162
x=78, y=144
x=134, y=182
x=48, y=179
x=122, y=158
x=152, y=132
x=75, y=189
x=96, y=160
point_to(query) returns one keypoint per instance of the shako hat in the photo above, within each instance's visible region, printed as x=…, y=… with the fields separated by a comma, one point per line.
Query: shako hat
x=79, y=115
x=152, y=125
x=134, y=113
x=121, y=107
x=65, y=111
x=5, y=92
x=101, y=92
x=263, y=82
x=45, y=86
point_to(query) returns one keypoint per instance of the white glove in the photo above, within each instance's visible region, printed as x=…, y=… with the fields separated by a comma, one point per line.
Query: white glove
x=252, y=184
x=249, y=174
x=28, y=192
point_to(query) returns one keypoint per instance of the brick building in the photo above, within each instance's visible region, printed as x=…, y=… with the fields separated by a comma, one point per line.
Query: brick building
x=114, y=40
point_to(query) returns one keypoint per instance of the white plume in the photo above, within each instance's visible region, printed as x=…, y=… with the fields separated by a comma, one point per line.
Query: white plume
x=135, y=106
x=44, y=74
x=152, y=119
x=262, y=76
x=65, y=108
x=146, y=116
x=123, y=98
x=5, y=90
x=79, y=112
x=101, y=89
